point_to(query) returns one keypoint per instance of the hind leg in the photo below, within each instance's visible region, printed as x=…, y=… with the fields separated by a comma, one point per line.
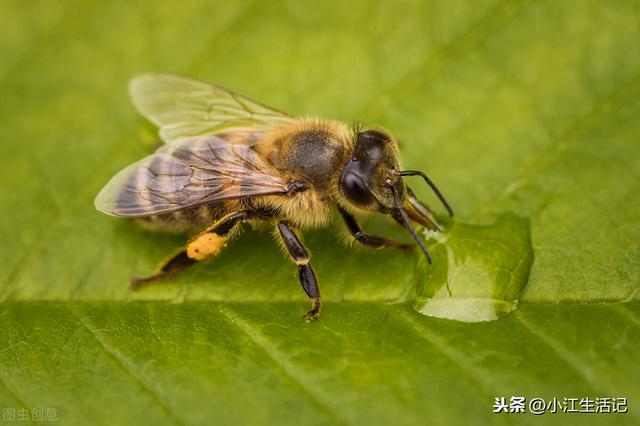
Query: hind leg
x=206, y=244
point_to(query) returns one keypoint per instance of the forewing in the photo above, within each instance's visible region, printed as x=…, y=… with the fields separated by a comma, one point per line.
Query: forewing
x=182, y=107
x=186, y=173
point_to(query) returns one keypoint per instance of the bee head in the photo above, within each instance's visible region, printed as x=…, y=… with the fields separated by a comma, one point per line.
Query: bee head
x=364, y=180
x=372, y=181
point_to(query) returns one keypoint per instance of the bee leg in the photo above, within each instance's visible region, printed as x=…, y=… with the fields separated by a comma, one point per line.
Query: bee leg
x=305, y=273
x=206, y=244
x=369, y=240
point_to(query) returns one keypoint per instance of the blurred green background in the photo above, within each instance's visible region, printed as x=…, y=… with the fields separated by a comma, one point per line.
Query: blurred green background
x=524, y=112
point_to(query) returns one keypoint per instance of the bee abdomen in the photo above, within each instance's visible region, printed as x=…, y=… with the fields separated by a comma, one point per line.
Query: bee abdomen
x=189, y=219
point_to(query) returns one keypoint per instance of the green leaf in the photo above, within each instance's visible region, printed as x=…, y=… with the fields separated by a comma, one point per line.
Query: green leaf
x=524, y=113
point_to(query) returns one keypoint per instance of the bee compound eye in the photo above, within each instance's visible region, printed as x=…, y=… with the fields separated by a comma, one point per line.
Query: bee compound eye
x=355, y=190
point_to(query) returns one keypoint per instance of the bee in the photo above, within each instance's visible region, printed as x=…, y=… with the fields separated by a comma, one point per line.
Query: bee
x=227, y=160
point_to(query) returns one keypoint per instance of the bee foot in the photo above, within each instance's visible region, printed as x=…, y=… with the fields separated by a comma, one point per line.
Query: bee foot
x=139, y=282
x=312, y=315
x=404, y=247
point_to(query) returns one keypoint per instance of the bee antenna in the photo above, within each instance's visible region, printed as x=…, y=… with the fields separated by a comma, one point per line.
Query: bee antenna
x=406, y=222
x=431, y=184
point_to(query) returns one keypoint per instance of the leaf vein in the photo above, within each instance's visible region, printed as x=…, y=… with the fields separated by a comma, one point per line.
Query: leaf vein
x=9, y=389
x=608, y=104
x=501, y=14
x=290, y=370
x=567, y=356
x=456, y=357
x=122, y=363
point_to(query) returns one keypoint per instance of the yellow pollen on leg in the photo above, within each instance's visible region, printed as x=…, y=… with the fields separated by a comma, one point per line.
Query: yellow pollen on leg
x=205, y=245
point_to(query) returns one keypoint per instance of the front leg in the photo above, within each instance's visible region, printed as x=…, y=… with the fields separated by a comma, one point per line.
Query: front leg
x=366, y=239
x=305, y=273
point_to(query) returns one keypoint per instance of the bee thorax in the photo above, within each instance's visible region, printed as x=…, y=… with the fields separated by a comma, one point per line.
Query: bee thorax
x=312, y=150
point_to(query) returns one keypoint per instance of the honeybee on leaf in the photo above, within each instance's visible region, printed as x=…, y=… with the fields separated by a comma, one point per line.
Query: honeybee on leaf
x=228, y=159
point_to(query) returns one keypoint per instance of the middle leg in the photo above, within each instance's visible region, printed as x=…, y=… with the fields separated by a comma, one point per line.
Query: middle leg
x=305, y=273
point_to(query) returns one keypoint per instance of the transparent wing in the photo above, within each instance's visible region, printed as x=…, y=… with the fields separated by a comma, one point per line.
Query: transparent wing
x=182, y=107
x=185, y=173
